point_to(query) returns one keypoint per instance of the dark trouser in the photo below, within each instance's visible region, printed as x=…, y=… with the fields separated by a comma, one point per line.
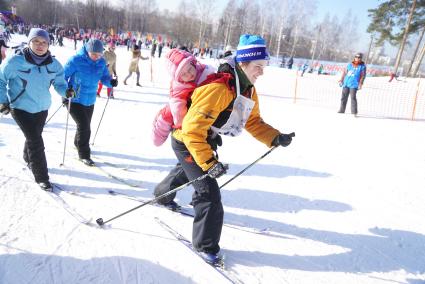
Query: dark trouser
x=344, y=98
x=175, y=178
x=32, y=125
x=82, y=116
x=206, y=201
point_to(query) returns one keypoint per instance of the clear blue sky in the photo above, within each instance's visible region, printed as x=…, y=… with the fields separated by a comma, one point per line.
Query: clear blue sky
x=339, y=7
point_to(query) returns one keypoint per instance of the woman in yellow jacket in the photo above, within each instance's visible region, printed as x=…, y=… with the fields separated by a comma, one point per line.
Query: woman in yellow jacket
x=223, y=105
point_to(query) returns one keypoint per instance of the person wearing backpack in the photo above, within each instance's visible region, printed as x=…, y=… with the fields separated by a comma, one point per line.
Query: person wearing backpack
x=224, y=104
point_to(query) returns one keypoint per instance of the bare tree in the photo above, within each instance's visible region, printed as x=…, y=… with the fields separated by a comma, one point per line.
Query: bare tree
x=204, y=8
x=282, y=21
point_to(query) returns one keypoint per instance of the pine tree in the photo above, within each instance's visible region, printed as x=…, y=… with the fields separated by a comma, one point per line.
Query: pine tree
x=393, y=21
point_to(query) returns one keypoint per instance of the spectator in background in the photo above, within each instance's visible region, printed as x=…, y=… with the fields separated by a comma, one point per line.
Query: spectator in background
x=160, y=47
x=393, y=76
x=111, y=59
x=351, y=81
x=75, y=41
x=283, y=62
x=153, y=49
x=290, y=62
x=320, y=70
x=304, y=68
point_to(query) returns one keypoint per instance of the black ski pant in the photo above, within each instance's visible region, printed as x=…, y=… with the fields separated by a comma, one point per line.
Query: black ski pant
x=32, y=125
x=175, y=178
x=344, y=98
x=206, y=201
x=82, y=116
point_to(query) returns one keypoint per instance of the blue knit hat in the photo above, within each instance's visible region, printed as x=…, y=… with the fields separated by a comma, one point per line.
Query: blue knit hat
x=251, y=47
x=94, y=45
x=37, y=32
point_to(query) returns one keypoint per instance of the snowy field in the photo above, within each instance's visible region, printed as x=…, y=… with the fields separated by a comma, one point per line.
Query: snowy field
x=344, y=203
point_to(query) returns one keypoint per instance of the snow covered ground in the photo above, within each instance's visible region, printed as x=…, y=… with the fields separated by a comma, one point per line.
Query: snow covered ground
x=344, y=203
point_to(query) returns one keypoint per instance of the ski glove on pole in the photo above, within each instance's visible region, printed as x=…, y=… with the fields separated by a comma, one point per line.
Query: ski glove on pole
x=114, y=82
x=4, y=109
x=283, y=139
x=217, y=170
x=70, y=93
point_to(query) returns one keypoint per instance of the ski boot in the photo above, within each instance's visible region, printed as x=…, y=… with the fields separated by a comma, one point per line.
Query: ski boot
x=45, y=185
x=214, y=259
x=88, y=162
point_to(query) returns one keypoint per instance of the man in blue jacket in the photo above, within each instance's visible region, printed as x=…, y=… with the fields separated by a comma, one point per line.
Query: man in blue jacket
x=25, y=80
x=352, y=80
x=83, y=71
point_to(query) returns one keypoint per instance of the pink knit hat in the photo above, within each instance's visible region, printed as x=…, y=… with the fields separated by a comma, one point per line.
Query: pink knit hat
x=176, y=60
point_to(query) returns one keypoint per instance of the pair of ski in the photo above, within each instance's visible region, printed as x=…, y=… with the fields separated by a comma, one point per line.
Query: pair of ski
x=108, y=174
x=55, y=195
x=218, y=264
x=188, y=212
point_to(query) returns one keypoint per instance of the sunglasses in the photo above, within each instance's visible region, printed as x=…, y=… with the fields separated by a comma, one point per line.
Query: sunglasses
x=357, y=57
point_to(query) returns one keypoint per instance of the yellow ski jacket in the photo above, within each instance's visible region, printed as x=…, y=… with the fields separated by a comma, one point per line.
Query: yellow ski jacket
x=211, y=106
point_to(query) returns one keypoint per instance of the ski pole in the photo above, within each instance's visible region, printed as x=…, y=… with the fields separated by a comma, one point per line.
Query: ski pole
x=66, y=132
x=53, y=115
x=100, y=221
x=107, y=101
x=253, y=163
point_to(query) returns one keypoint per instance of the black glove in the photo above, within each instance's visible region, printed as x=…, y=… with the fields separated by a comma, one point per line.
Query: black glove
x=114, y=82
x=4, y=109
x=70, y=93
x=217, y=170
x=283, y=139
x=214, y=142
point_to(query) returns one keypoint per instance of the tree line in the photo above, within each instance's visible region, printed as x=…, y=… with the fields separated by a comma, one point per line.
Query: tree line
x=287, y=25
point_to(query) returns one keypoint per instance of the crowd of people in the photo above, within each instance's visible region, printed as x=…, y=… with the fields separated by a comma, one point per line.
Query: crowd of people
x=195, y=136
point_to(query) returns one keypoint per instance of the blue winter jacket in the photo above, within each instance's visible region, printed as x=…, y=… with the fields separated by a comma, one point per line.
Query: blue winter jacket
x=25, y=85
x=355, y=75
x=83, y=74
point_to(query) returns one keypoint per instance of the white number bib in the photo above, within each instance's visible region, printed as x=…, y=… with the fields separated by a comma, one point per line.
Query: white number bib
x=241, y=111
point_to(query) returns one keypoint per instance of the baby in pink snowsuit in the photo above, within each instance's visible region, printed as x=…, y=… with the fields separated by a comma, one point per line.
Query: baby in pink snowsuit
x=186, y=74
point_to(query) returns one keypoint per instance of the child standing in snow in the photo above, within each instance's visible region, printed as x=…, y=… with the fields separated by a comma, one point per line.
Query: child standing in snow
x=134, y=64
x=186, y=74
